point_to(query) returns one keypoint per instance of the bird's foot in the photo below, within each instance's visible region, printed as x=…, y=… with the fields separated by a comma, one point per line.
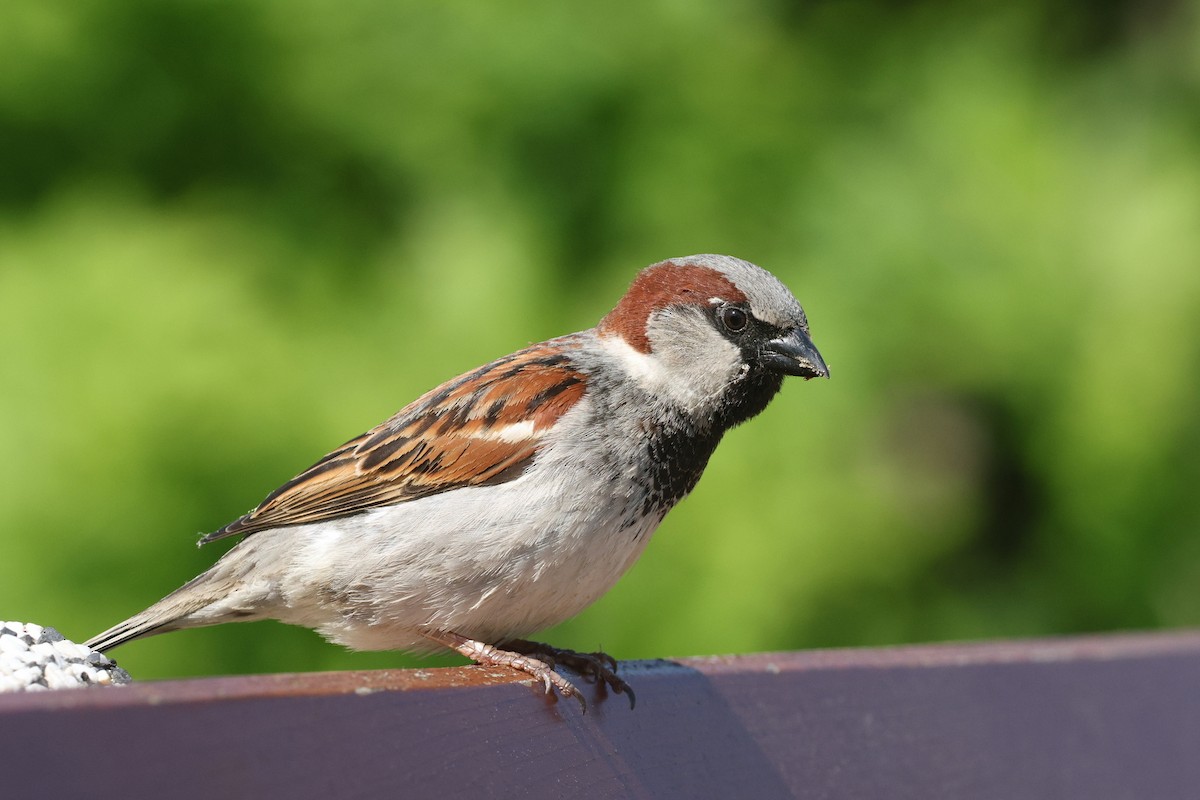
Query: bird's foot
x=595, y=667
x=490, y=655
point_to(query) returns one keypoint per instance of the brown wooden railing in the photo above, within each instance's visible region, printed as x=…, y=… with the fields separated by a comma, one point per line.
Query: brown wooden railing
x=1094, y=717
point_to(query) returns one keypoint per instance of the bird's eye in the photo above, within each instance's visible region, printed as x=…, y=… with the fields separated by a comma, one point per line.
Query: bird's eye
x=733, y=318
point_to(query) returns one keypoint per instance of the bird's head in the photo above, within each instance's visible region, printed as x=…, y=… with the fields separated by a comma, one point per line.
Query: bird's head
x=711, y=334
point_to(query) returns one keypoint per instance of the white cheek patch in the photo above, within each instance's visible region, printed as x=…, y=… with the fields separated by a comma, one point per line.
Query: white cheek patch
x=642, y=367
x=690, y=366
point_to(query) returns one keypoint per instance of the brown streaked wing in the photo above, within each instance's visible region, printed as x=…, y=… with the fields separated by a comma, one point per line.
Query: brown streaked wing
x=459, y=434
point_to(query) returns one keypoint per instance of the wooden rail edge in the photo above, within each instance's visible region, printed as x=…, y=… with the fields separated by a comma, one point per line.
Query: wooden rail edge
x=1091, y=717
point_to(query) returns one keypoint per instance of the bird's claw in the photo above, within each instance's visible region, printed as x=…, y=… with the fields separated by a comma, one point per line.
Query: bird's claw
x=597, y=667
x=539, y=660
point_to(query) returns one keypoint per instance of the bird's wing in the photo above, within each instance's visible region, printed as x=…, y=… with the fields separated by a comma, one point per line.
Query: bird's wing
x=484, y=427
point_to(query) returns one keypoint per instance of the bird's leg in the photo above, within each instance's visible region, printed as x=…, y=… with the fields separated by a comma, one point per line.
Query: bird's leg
x=596, y=667
x=490, y=655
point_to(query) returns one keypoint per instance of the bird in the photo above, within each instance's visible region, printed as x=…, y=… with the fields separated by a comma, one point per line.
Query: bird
x=512, y=497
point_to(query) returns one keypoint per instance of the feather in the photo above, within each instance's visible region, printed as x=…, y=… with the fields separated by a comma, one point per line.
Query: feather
x=481, y=428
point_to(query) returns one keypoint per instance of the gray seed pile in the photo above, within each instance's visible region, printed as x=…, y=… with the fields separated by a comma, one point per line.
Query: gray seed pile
x=33, y=659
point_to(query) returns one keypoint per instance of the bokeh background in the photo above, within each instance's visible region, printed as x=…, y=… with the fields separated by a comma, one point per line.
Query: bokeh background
x=235, y=234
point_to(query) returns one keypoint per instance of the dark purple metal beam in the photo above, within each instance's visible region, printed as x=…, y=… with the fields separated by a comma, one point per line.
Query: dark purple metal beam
x=1094, y=717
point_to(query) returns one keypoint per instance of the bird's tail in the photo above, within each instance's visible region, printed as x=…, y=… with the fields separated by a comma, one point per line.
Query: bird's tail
x=146, y=623
x=189, y=606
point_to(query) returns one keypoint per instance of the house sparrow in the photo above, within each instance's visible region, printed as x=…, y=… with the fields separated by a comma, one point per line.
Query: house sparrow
x=512, y=497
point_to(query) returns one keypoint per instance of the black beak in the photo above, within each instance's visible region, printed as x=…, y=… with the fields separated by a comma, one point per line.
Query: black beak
x=794, y=354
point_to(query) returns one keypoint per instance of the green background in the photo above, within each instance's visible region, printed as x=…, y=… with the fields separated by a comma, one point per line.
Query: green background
x=235, y=234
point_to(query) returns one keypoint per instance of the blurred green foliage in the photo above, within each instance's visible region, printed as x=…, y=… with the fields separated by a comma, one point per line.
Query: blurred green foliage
x=234, y=234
